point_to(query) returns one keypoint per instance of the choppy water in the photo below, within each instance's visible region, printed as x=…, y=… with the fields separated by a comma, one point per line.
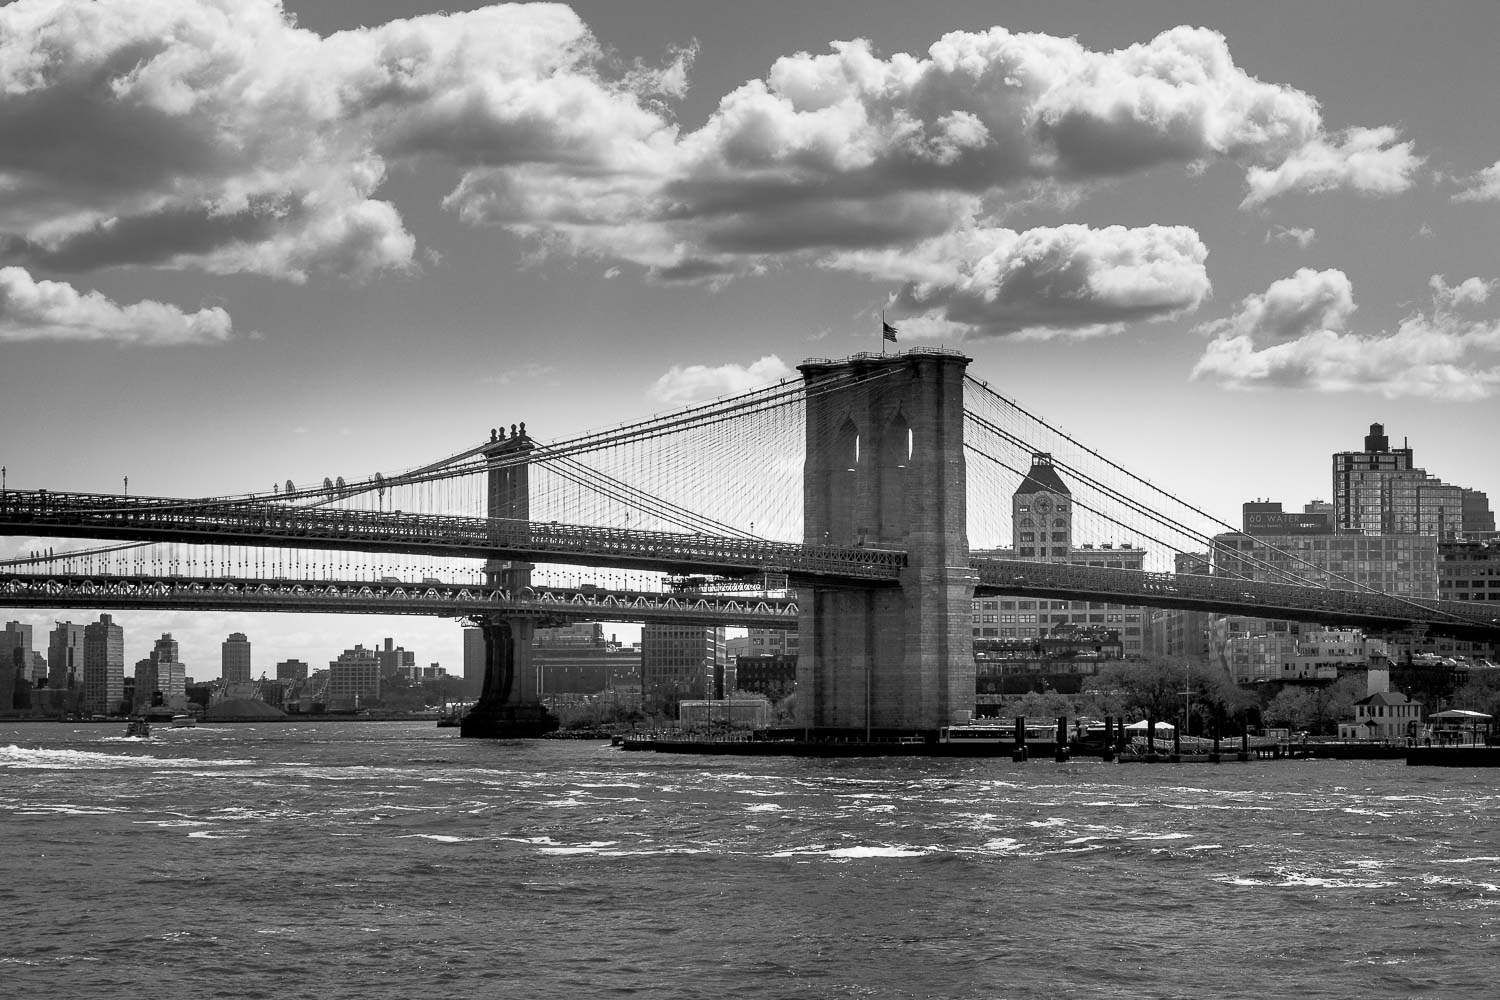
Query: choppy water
x=394, y=860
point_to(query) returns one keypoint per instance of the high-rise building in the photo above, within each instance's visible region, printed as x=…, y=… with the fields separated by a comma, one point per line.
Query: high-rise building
x=1393, y=564
x=103, y=666
x=396, y=660
x=161, y=678
x=291, y=670
x=1469, y=571
x=15, y=660
x=473, y=661
x=681, y=661
x=1479, y=519
x=1042, y=529
x=65, y=656
x=580, y=659
x=235, y=652
x=1378, y=491
x=771, y=642
x=354, y=678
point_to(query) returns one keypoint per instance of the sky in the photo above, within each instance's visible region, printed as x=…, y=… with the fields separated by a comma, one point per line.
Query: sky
x=243, y=242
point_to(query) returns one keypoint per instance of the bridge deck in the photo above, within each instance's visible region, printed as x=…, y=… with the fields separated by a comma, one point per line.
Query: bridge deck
x=265, y=524
x=82, y=515
x=393, y=598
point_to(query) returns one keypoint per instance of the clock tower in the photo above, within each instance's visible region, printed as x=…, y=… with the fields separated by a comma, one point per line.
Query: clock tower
x=1042, y=513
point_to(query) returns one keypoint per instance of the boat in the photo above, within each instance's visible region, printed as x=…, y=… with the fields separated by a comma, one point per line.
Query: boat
x=183, y=722
x=138, y=727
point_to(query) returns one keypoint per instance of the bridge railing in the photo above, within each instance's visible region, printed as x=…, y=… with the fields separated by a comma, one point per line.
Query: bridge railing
x=262, y=523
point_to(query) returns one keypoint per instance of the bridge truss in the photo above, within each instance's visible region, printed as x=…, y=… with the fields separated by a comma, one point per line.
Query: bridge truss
x=430, y=598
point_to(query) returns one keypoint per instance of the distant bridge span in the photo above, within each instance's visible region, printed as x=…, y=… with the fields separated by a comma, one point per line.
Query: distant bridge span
x=444, y=600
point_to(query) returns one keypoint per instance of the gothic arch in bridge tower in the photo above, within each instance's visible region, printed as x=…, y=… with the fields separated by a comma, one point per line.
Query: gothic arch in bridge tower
x=837, y=484
x=895, y=453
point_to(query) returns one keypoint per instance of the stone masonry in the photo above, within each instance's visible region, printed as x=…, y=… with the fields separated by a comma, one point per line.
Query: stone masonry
x=885, y=468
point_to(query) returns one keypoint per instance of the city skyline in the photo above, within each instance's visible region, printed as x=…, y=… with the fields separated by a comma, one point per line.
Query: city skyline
x=207, y=669
x=1255, y=230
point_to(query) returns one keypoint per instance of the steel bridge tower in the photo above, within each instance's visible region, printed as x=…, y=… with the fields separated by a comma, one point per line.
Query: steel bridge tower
x=885, y=469
x=509, y=704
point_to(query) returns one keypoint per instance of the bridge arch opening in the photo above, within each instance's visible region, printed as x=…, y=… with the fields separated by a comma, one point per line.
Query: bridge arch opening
x=895, y=456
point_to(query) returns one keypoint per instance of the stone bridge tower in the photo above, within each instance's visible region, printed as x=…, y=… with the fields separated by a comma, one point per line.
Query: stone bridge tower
x=509, y=705
x=885, y=469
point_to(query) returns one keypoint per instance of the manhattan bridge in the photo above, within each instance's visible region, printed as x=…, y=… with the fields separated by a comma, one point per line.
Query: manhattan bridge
x=854, y=505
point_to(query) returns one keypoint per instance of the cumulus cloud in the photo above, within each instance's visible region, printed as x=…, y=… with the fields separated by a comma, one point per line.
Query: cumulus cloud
x=1292, y=234
x=1367, y=160
x=847, y=151
x=215, y=134
x=1045, y=281
x=1483, y=186
x=1296, y=335
x=685, y=384
x=52, y=310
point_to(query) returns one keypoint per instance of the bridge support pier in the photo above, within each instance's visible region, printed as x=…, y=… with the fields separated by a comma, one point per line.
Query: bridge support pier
x=885, y=468
x=509, y=705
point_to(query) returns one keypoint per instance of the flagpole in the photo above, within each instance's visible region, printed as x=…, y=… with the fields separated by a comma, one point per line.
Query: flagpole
x=882, y=335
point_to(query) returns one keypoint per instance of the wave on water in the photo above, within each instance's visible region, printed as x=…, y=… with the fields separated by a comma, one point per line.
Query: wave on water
x=49, y=759
x=851, y=853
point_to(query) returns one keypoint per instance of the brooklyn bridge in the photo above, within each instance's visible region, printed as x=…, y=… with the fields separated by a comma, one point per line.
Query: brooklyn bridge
x=845, y=505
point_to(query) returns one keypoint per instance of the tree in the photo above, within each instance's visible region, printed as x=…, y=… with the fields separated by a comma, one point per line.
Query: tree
x=1291, y=708
x=1167, y=688
x=1317, y=709
x=1479, y=693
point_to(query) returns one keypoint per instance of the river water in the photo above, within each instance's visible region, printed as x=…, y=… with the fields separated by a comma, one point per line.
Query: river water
x=395, y=860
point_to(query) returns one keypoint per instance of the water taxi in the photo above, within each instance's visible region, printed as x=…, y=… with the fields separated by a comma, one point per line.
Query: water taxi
x=183, y=722
x=138, y=727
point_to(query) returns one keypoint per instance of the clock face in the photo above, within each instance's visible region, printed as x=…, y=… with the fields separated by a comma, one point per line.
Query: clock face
x=1042, y=503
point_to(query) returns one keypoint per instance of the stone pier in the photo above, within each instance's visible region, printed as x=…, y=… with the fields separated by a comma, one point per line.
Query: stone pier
x=885, y=468
x=509, y=705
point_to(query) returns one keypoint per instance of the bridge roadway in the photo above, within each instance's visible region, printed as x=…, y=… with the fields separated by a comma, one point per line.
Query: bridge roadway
x=275, y=525
x=270, y=524
x=1227, y=596
x=446, y=600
